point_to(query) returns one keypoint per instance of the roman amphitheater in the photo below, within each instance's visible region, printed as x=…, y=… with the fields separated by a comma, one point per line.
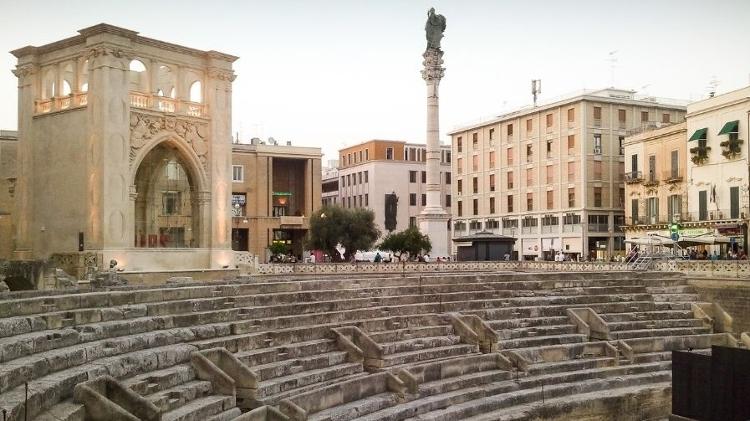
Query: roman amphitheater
x=402, y=346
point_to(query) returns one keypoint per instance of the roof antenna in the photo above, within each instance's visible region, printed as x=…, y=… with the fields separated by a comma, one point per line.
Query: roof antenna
x=612, y=64
x=712, y=86
x=536, y=88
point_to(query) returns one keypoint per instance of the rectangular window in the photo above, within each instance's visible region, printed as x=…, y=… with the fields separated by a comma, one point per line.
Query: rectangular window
x=412, y=199
x=529, y=201
x=644, y=116
x=413, y=154
x=529, y=176
x=550, y=174
x=621, y=198
x=239, y=201
x=549, y=120
x=424, y=199
x=652, y=168
x=412, y=221
x=597, y=144
x=492, y=224
x=389, y=153
x=510, y=180
x=460, y=208
x=474, y=140
x=529, y=126
x=460, y=165
x=634, y=163
x=510, y=203
x=447, y=178
x=492, y=134
x=509, y=157
x=367, y=200
x=571, y=197
x=571, y=171
x=475, y=163
x=475, y=207
x=674, y=168
x=492, y=205
x=459, y=144
x=367, y=154
x=665, y=118
x=475, y=225
x=621, y=116
x=510, y=130
x=359, y=177
x=597, y=197
x=447, y=200
x=348, y=179
x=634, y=206
x=492, y=159
x=360, y=156
x=424, y=177
x=597, y=170
x=674, y=207
x=550, y=199
x=238, y=173
x=734, y=202
x=366, y=178
x=571, y=115
x=529, y=152
x=571, y=144
x=343, y=181
x=652, y=210
x=459, y=186
x=475, y=185
x=492, y=182
x=171, y=203
x=597, y=113
x=549, y=148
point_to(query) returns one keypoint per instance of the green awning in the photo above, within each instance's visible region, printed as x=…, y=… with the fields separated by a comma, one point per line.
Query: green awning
x=699, y=134
x=730, y=127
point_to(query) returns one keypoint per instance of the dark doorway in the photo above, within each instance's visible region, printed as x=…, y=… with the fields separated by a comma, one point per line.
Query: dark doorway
x=240, y=239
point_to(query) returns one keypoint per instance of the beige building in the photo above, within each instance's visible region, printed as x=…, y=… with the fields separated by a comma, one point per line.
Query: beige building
x=718, y=165
x=655, y=181
x=275, y=189
x=124, y=152
x=552, y=175
x=372, y=170
x=8, y=145
x=330, y=184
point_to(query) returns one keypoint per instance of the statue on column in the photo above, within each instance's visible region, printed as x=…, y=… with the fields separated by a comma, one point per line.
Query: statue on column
x=434, y=29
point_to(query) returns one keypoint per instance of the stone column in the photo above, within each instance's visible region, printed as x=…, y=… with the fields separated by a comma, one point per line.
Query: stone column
x=23, y=214
x=433, y=220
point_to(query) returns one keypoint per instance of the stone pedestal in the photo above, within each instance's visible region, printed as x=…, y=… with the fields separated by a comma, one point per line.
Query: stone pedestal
x=433, y=221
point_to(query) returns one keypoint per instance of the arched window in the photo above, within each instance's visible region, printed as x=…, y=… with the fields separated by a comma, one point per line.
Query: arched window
x=66, y=88
x=196, y=92
x=84, y=77
x=165, y=81
x=138, y=76
x=48, y=84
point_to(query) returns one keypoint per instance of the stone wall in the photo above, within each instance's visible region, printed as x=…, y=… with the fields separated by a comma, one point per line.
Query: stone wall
x=732, y=295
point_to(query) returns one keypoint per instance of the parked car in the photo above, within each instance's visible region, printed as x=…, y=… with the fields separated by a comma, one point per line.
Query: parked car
x=369, y=256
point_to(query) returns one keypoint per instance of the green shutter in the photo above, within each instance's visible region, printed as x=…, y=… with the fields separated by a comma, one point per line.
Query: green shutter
x=730, y=127
x=699, y=134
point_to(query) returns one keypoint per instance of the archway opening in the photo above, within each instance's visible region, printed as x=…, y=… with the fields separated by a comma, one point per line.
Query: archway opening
x=166, y=210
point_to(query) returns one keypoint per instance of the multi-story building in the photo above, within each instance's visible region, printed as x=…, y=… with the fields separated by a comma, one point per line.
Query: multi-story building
x=8, y=145
x=372, y=170
x=330, y=184
x=275, y=189
x=717, y=165
x=655, y=181
x=552, y=175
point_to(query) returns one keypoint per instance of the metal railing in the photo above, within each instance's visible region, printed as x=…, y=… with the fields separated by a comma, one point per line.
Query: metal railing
x=633, y=177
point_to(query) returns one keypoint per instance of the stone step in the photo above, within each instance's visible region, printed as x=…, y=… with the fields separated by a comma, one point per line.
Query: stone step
x=650, y=333
x=570, y=365
x=200, y=409
x=172, y=398
x=264, y=356
x=274, y=400
x=64, y=411
x=295, y=365
x=275, y=386
x=676, y=298
x=541, y=341
x=648, y=315
x=528, y=322
x=654, y=324
x=536, y=331
x=419, y=343
x=410, y=333
x=356, y=409
x=436, y=353
x=156, y=381
x=228, y=415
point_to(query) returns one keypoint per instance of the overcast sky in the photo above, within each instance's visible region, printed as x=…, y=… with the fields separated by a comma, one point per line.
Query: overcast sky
x=335, y=73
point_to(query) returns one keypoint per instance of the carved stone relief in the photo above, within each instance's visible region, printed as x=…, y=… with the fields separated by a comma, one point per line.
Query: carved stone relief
x=144, y=128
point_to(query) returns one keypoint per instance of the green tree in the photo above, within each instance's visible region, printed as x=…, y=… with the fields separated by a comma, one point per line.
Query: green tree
x=278, y=248
x=409, y=241
x=353, y=229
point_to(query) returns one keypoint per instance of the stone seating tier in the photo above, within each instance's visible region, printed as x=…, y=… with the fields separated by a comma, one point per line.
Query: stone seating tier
x=282, y=331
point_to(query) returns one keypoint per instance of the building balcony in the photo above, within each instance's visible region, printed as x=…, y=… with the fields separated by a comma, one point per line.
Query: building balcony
x=292, y=220
x=633, y=177
x=672, y=176
x=651, y=180
x=166, y=104
x=44, y=106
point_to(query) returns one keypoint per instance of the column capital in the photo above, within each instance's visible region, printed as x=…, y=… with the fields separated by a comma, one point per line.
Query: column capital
x=433, y=60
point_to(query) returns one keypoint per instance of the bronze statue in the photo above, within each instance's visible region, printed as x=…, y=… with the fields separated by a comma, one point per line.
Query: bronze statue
x=434, y=28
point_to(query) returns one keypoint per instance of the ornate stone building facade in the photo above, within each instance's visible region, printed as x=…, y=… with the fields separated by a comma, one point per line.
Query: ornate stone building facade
x=124, y=151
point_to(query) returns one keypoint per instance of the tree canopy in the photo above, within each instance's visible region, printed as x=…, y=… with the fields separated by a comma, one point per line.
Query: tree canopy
x=409, y=241
x=354, y=229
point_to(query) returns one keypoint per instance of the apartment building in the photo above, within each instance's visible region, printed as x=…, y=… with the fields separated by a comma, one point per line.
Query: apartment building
x=330, y=184
x=390, y=177
x=718, y=165
x=275, y=189
x=655, y=181
x=552, y=175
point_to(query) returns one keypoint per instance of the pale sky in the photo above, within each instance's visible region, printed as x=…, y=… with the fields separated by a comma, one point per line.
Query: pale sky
x=335, y=73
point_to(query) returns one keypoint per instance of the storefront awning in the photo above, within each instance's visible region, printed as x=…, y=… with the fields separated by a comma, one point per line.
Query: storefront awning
x=282, y=193
x=699, y=134
x=730, y=127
